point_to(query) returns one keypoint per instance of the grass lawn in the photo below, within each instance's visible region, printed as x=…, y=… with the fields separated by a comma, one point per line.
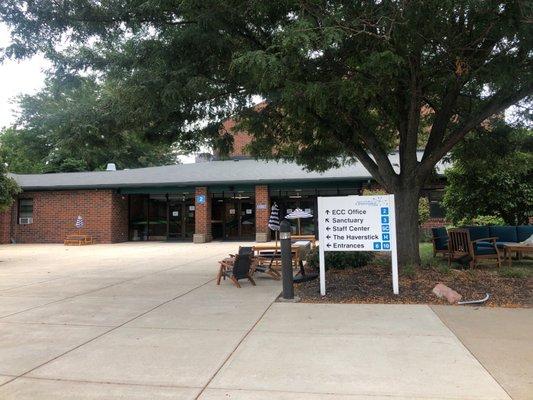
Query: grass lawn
x=520, y=269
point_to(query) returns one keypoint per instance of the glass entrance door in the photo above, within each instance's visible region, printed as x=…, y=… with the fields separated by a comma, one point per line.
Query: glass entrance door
x=161, y=217
x=247, y=220
x=231, y=219
x=180, y=219
x=238, y=219
x=189, y=211
x=175, y=220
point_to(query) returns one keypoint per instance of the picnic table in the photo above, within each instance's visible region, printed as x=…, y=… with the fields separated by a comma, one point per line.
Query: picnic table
x=299, y=250
x=273, y=252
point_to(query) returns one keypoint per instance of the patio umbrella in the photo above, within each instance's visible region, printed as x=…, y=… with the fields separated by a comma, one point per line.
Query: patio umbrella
x=273, y=221
x=297, y=214
x=79, y=222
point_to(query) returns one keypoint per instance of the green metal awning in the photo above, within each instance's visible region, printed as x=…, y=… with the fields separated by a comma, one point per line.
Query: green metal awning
x=158, y=190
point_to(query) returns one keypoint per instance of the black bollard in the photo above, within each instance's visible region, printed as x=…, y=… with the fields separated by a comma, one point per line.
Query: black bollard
x=286, y=259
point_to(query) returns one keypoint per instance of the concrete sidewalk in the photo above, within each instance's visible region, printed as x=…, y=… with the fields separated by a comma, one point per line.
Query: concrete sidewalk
x=302, y=351
x=501, y=339
x=146, y=321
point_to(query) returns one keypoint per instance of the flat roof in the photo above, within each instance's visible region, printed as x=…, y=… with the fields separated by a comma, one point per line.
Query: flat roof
x=228, y=172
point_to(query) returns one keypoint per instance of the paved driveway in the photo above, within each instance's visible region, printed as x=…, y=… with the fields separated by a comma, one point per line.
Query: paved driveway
x=146, y=321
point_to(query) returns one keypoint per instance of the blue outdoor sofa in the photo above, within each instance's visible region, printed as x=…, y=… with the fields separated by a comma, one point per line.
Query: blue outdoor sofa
x=502, y=234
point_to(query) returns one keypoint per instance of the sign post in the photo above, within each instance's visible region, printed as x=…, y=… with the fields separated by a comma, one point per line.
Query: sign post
x=357, y=223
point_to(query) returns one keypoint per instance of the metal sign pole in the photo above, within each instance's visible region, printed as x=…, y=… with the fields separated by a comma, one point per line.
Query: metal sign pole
x=394, y=248
x=322, y=265
x=321, y=255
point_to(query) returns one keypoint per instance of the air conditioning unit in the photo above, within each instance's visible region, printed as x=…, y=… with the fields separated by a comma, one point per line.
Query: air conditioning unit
x=26, y=221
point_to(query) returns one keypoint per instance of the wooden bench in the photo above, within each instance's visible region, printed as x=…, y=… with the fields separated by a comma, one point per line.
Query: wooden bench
x=78, y=240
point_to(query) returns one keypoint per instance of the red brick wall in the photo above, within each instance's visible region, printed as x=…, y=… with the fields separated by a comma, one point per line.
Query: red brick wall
x=104, y=212
x=425, y=228
x=240, y=139
x=262, y=215
x=5, y=226
x=202, y=216
x=434, y=223
x=119, y=218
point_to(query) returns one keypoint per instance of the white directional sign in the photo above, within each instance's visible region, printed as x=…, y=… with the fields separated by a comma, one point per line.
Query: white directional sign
x=357, y=223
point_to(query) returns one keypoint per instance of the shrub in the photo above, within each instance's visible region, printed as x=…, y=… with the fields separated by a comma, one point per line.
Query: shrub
x=425, y=236
x=423, y=210
x=340, y=259
x=482, y=220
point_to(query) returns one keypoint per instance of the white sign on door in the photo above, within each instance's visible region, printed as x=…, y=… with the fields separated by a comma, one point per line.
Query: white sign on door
x=357, y=223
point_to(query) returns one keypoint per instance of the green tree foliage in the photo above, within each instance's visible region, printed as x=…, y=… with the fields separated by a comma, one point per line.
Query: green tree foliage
x=8, y=188
x=23, y=151
x=492, y=174
x=423, y=204
x=71, y=125
x=341, y=80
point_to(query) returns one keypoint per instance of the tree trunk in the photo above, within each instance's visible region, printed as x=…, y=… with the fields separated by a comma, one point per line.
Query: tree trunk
x=407, y=228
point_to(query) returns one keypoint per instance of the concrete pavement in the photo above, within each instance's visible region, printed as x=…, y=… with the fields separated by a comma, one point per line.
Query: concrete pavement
x=146, y=321
x=501, y=339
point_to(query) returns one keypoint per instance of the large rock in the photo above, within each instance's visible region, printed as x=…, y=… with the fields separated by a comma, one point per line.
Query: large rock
x=443, y=291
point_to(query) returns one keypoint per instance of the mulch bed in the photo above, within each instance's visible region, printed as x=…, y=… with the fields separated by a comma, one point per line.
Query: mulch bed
x=373, y=284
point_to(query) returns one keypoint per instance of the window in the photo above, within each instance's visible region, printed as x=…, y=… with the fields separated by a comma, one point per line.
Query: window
x=436, y=210
x=25, y=211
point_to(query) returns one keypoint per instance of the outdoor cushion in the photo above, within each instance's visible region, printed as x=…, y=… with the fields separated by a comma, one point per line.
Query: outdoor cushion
x=483, y=251
x=442, y=242
x=504, y=233
x=524, y=232
x=478, y=232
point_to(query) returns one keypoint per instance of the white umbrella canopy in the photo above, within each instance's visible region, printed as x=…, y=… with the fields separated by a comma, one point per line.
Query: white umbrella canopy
x=297, y=214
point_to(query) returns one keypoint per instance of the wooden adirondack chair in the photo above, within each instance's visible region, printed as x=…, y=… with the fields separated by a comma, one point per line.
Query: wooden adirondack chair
x=461, y=248
x=236, y=268
x=439, y=238
x=260, y=264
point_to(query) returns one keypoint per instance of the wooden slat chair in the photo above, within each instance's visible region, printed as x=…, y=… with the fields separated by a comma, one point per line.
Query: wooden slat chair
x=439, y=238
x=236, y=268
x=260, y=264
x=462, y=249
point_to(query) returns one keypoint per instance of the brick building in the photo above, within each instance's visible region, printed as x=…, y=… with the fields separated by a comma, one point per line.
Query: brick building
x=214, y=200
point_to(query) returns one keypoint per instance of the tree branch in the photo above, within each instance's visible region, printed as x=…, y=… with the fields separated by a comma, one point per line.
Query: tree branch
x=442, y=118
x=368, y=163
x=498, y=103
x=382, y=170
x=409, y=132
x=387, y=173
